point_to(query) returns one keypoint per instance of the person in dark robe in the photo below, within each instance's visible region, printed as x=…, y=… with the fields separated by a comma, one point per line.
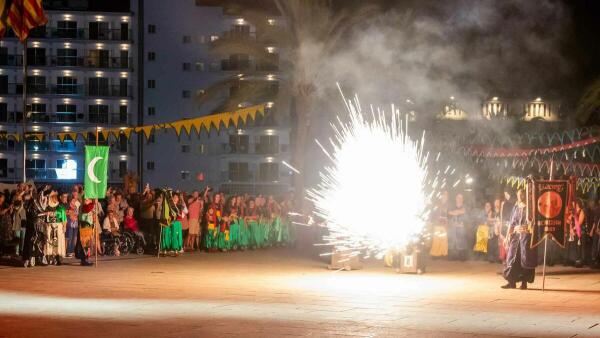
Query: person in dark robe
x=521, y=260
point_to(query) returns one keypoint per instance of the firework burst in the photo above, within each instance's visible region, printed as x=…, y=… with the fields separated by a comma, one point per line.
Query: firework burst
x=375, y=194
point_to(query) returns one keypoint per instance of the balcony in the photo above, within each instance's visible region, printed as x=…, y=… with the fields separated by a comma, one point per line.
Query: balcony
x=68, y=90
x=229, y=65
x=78, y=34
x=111, y=119
x=247, y=177
x=237, y=65
x=111, y=62
x=50, y=174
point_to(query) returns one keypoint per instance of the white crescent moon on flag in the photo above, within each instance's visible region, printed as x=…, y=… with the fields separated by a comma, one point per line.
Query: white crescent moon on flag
x=90, y=169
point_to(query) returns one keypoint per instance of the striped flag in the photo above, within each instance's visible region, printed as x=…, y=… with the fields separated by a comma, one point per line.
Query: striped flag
x=25, y=15
x=4, y=6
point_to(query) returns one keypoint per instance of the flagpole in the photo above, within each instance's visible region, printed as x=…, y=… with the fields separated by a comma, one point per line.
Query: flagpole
x=96, y=212
x=546, y=235
x=24, y=118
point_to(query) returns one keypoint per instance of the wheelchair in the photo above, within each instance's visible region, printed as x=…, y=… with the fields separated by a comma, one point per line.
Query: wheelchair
x=132, y=242
x=110, y=244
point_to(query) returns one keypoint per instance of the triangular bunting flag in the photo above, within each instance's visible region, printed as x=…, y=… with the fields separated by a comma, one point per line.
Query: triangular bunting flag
x=61, y=137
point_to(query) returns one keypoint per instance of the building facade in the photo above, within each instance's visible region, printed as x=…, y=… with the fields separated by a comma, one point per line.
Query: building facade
x=181, y=64
x=82, y=76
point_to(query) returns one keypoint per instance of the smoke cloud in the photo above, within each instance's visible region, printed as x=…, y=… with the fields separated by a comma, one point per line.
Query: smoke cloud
x=471, y=50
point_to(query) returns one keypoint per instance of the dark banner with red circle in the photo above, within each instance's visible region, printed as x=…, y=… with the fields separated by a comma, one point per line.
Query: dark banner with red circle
x=550, y=200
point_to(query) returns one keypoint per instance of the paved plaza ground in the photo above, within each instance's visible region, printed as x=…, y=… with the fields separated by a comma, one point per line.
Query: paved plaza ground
x=280, y=292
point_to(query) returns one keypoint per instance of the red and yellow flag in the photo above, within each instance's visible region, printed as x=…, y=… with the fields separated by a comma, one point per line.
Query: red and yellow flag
x=4, y=4
x=25, y=15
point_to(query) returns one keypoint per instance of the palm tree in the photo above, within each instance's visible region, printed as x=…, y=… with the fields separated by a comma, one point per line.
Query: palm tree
x=313, y=30
x=589, y=104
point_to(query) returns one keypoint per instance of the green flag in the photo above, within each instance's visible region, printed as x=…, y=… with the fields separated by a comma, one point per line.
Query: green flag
x=96, y=171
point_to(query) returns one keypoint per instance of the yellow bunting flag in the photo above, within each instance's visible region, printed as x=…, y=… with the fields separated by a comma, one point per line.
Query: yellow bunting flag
x=147, y=130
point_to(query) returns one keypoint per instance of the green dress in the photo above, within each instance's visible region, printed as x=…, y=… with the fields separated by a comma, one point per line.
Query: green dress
x=244, y=234
x=256, y=235
x=172, y=237
x=234, y=234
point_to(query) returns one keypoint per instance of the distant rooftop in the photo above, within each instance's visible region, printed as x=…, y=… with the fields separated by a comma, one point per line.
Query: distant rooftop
x=88, y=5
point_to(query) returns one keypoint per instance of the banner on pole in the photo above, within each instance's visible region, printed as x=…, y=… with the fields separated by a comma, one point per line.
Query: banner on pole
x=96, y=171
x=549, y=204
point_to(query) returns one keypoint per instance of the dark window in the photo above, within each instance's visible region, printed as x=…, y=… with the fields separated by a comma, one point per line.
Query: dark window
x=66, y=57
x=123, y=118
x=239, y=144
x=122, y=168
x=185, y=148
x=150, y=165
x=3, y=84
x=66, y=85
x=35, y=164
x=123, y=143
x=66, y=112
x=151, y=111
x=36, y=84
x=269, y=144
x=3, y=167
x=240, y=31
x=151, y=56
x=98, y=86
x=186, y=94
x=123, y=87
x=124, y=59
x=151, y=139
x=98, y=58
x=38, y=112
x=66, y=29
x=3, y=112
x=36, y=56
x=151, y=84
x=187, y=39
x=3, y=56
x=124, y=31
x=268, y=172
x=98, y=30
x=98, y=113
x=151, y=29
x=186, y=66
x=238, y=171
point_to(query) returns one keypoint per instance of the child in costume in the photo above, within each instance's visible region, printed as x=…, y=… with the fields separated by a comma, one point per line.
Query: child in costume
x=212, y=221
x=85, y=237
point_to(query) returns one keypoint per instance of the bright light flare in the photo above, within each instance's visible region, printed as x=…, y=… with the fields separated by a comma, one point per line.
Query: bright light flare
x=373, y=196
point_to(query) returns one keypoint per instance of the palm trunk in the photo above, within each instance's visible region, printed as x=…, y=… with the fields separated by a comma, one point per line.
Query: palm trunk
x=302, y=107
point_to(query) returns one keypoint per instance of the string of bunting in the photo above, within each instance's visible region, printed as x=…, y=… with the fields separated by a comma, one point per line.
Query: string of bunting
x=584, y=184
x=486, y=151
x=518, y=139
x=207, y=123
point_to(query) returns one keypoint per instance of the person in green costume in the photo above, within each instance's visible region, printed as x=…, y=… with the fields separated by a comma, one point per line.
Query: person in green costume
x=251, y=219
x=171, y=233
x=212, y=221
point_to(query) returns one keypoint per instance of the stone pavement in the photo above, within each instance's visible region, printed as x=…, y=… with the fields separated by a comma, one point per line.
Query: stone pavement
x=278, y=292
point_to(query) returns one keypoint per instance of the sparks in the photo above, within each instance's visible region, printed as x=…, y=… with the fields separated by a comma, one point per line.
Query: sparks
x=373, y=196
